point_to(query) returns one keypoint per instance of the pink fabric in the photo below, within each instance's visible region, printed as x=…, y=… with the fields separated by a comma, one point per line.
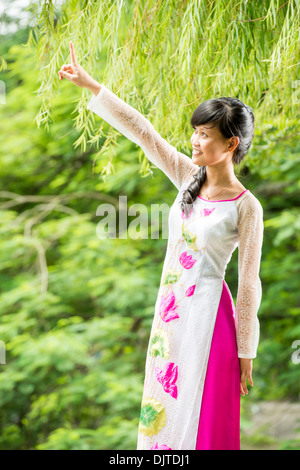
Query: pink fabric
x=219, y=423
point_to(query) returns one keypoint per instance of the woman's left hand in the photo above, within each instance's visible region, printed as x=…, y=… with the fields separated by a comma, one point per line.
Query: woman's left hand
x=246, y=366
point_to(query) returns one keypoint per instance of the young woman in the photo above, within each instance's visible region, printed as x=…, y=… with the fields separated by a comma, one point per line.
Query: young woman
x=201, y=346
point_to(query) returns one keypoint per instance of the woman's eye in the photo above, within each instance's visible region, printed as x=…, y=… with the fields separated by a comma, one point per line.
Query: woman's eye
x=201, y=132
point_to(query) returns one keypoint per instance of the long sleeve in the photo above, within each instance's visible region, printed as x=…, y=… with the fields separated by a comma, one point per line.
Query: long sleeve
x=133, y=125
x=250, y=239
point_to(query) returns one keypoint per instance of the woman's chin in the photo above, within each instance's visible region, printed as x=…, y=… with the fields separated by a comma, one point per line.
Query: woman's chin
x=197, y=159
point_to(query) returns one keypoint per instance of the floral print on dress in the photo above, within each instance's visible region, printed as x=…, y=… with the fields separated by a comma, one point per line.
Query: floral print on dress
x=161, y=447
x=187, y=261
x=168, y=377
x=183, y=216
x=190, y=238
x=171, y=277
x=190, y=291
x=152, y=418
x=159, y=344
x=153, y=415
x=167, y=308
x=205, y=212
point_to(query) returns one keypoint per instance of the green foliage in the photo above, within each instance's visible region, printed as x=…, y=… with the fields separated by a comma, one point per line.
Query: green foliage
x=76, y=310
x=293, y=444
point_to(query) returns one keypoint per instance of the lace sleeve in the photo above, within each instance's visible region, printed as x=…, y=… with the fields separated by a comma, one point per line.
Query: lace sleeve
x=133, y=125
x=250, y=239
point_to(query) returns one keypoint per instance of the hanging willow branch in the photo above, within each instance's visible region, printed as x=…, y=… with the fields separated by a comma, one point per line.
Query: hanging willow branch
x=164, y=57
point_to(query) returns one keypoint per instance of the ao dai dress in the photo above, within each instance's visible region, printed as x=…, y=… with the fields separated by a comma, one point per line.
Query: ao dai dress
x=191, y=397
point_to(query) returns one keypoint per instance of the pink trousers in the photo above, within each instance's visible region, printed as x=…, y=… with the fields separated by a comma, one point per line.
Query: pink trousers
x=219, y=422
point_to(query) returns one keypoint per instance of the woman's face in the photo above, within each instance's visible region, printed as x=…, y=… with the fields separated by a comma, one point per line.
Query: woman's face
x=209, y=145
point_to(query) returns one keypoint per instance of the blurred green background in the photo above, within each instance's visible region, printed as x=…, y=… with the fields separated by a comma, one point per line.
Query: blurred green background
x=76, y=311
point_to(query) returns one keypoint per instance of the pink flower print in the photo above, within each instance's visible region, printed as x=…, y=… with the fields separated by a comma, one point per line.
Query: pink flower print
x=167, y=377
x=187, y=261
x=205, y=212
x=167, y=308
x=183, y=216
x=161, y=447
x=190, y=291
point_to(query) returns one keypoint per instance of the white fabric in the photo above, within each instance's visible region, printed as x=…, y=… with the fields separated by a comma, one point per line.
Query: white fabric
x=237, y=222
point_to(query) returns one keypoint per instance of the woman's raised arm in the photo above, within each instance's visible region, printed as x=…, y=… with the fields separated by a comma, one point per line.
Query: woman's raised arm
x=132, y=124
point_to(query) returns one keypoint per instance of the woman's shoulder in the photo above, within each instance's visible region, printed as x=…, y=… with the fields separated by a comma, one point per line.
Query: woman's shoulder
x=249, y=203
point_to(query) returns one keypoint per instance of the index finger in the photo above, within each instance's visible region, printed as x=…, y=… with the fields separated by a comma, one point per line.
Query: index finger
x=73, y=58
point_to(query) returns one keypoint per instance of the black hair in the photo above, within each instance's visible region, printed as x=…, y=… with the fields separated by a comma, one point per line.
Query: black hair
x=233, y=118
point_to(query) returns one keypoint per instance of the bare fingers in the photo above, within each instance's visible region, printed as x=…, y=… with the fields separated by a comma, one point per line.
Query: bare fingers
x=243, y=383
x=65, y=68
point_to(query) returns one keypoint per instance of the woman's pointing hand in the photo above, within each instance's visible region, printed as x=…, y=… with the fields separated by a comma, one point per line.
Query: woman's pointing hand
x=75, y=73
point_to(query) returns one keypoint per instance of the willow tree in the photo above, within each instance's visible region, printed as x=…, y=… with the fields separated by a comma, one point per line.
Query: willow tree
x=164, y=57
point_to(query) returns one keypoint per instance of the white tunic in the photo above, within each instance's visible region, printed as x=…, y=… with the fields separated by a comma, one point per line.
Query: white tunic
x=199, y=249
